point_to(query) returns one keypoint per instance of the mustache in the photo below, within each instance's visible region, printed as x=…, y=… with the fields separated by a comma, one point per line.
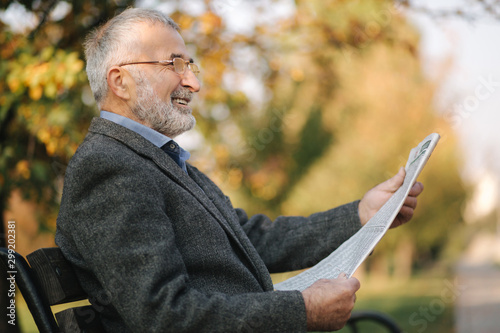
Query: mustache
x=183, y=93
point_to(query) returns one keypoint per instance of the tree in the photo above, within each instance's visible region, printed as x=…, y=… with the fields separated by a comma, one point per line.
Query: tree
x=45, y=105
x=341, y=99
x=345, y=100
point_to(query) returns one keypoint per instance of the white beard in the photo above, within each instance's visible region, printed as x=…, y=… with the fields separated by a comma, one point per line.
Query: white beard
x=163, y=117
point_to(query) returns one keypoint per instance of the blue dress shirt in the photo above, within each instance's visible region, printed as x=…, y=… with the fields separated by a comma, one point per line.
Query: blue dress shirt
x=179, y=155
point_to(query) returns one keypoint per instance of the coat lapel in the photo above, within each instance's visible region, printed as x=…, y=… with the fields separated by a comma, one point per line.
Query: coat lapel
x=143, y=147
x=216, y=196
x=195, y=186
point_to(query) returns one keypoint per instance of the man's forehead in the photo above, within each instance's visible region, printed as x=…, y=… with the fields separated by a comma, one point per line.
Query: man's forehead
x=163, y=41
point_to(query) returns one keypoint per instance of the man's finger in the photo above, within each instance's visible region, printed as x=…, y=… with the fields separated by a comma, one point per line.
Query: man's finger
x=405, y=214
x=411, y=202
x=416, y=189
x=354, y=283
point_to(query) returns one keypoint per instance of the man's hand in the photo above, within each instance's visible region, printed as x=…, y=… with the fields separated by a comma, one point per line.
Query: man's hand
x=375, y=198
x=329, y=303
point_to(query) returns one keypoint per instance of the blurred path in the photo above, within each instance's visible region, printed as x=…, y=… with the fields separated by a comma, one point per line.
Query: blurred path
x=477, y=307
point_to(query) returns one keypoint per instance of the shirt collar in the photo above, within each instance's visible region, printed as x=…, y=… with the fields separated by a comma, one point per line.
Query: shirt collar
x=150, y=134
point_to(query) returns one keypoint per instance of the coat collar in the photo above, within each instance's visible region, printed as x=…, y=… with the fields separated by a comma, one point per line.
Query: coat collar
x=191, y=183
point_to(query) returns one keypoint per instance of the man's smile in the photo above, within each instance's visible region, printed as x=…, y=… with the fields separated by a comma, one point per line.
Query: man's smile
x=180, y=101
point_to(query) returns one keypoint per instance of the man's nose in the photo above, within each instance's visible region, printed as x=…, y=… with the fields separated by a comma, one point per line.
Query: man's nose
x=190, y=81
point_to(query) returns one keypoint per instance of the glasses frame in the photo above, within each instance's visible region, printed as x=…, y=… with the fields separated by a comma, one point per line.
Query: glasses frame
x=185, y=64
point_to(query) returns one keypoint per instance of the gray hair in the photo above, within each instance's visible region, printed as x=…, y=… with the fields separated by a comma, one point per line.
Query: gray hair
x=114, y=43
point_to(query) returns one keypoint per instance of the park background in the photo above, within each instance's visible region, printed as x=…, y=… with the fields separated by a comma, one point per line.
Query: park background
x=304, y=105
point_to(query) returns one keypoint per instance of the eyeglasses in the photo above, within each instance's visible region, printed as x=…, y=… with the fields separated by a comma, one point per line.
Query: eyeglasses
x=178, y=63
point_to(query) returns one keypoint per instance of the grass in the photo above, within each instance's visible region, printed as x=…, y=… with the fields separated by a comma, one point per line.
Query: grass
x=416, y=305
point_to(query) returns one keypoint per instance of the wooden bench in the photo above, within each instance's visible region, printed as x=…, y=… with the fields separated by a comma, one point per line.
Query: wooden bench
x=49, y=280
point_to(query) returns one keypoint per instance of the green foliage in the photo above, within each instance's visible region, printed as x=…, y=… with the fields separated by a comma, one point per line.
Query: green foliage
x=314, y=140
x=347, y=102
x=421, y=303
x=44, y=104
x=343, y=101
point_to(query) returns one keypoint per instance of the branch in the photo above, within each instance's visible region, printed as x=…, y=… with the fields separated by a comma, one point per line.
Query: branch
x=46, y=8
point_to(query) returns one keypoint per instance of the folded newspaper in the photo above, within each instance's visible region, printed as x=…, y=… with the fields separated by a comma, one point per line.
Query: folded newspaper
x=347, y=257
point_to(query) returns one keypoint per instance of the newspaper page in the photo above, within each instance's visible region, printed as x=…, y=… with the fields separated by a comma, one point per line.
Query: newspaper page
x=347, y=257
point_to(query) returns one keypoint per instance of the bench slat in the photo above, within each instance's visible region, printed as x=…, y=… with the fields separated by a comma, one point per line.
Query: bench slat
x=56, y=276
x=80, y=319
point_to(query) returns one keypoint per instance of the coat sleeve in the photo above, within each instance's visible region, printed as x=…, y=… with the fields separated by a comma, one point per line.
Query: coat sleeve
x=294, y=242
x=113, y=227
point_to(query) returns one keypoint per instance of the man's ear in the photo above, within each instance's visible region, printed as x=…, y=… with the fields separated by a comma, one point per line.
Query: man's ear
x=120, y=82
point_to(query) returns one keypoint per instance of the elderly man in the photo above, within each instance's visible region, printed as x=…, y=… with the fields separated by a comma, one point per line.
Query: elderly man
x=155, y=243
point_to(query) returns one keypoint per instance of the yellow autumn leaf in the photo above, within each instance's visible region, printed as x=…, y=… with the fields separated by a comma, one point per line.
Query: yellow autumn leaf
x=73, y=63
x=51, y=90
x=297, y=74
x=44, y=135
x=77, y=66
x=185, y=22
x=60, y=73
x=47, y=53
x=14, y=84
x=56, y=131
x=69, y=80
x=209, y=23
x=23, y=169
x=221, y=152
x=35, y=93
x=51, y=146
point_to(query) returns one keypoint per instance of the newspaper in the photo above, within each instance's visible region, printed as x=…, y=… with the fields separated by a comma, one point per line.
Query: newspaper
x=347, y=257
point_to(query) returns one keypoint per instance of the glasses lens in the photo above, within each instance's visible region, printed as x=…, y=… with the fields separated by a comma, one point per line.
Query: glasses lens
x=194, y=68
x=179, y=65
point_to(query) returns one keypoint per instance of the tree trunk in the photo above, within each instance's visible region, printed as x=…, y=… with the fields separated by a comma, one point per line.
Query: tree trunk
x=403, y=259
x=379, y=268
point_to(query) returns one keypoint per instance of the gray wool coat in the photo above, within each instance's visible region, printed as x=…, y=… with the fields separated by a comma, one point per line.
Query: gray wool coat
x=161, y=250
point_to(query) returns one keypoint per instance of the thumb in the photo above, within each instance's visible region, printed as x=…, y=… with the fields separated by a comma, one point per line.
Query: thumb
x=396, y=181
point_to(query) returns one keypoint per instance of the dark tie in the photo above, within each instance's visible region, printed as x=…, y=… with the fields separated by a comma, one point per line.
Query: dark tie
x=174, y=151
